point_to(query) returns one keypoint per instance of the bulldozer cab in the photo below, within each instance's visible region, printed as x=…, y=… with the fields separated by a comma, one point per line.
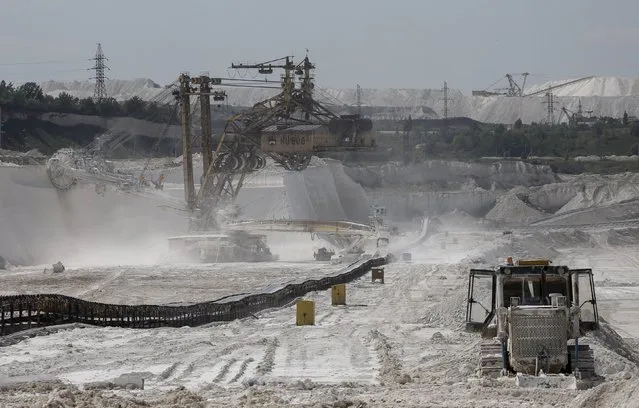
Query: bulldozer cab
x=529, y=284
x=480, y=306
x=585, y=298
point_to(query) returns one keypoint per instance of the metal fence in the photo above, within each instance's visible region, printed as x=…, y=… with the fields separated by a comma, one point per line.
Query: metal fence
x=24, y=312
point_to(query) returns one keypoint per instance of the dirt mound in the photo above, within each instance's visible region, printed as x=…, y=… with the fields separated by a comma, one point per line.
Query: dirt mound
x=610, y=339
x=596, y=190
x=552, y=197
x=31, y=394
x=613, y=394
x=512, y=209
x=584, y=199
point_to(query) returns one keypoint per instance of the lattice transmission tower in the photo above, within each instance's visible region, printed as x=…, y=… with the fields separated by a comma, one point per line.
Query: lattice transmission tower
x=99, y=92
x=446, y=100
x=550, y=107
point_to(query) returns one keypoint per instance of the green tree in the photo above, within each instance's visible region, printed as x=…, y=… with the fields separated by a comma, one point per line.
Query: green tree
x=109, y=107
x=6, y=91
x=87, y=106
x=66, y=103
x=31, y=90
x=518, y=124
x=625, y=118
x=134, y=107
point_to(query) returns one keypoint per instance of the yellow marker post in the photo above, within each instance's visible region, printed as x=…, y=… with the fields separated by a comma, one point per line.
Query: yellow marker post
x=338, y=294
x=305, y=313
x=377, y=273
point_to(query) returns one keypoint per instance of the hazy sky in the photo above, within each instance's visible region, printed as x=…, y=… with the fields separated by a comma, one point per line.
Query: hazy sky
x=376, y=43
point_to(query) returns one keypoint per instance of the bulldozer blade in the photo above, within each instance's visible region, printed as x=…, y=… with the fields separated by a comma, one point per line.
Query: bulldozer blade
x=567, y=382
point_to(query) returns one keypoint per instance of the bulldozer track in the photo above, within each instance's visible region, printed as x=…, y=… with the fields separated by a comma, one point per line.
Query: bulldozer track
x=491, y=360
x=586, y=363
x=23, y=312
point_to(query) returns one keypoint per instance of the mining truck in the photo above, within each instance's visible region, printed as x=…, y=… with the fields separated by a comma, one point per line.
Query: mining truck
x=323, y=254
x=531, y=315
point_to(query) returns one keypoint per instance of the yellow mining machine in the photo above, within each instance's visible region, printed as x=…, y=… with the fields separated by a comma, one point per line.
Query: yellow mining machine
x=531, y=315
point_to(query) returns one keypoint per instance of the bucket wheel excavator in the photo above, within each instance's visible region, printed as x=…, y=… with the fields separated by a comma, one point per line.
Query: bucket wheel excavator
x=288, y=128
x=531, y=315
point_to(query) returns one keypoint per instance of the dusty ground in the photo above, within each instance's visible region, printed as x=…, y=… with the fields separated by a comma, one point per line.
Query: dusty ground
x=161, y=284
x=397, y=344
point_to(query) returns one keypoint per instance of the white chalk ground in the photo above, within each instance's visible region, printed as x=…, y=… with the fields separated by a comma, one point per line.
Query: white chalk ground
x=161, y=284
x=396, y=344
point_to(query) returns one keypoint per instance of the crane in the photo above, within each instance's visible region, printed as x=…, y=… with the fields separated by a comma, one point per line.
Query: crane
x=513, y=88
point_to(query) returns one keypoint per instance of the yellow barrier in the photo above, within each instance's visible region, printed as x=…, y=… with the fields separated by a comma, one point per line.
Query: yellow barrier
x=305, y=313
x=338, y=294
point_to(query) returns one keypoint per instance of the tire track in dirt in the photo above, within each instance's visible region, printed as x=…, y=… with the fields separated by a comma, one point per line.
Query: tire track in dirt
x=224, y=370
x=242, y=370
x=101, y=284
x=359, y=354
x=325, y=316
x=391, y=368
x=265, y=366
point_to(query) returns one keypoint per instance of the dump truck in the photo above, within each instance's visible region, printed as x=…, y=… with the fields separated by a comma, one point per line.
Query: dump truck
x=531, y=315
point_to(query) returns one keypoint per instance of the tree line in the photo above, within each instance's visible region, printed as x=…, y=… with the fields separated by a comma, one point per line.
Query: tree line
x=606, y=137
x=29, y=96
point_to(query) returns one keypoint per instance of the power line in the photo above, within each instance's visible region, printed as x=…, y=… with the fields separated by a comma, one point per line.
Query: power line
x=7, y=64
x=24, y=73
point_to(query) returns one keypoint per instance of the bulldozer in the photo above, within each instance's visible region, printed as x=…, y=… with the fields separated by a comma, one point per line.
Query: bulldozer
x=531, y=315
